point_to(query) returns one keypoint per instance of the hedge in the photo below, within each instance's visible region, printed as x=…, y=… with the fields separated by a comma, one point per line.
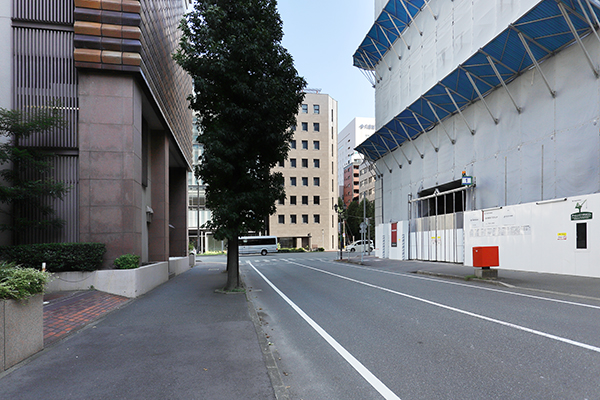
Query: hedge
x=59, y=257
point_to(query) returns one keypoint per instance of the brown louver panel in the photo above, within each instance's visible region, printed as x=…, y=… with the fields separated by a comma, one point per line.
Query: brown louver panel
x=44, y=73
x=44, y=11
x=65, y=170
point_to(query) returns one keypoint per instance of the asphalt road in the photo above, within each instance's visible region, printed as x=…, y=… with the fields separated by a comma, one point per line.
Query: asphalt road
x=345, y=331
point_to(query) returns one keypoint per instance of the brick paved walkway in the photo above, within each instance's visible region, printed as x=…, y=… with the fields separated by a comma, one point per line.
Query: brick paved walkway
x=68, y=312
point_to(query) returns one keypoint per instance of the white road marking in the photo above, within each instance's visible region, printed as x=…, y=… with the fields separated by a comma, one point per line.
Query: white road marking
x=458, y=310
x=415, y=276
x=357, y=365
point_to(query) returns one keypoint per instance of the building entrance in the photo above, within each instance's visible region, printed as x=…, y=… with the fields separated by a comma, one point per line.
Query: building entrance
x=436, y=231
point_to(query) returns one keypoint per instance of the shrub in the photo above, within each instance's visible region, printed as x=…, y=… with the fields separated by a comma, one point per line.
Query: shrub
x=59, y=257
x=127, y=261
x=298, y=250
x=20, y=283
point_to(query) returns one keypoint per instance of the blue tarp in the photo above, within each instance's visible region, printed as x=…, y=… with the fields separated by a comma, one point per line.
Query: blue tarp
x=545, y=31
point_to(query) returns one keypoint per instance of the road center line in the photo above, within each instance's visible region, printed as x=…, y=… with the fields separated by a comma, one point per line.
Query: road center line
x=458, y=310
x=357, y=365
x=414, y=276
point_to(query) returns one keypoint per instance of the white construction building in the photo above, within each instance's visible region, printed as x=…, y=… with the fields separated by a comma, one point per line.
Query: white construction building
x=487, y=131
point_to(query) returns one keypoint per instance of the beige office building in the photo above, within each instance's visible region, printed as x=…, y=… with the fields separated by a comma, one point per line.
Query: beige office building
x=306, y=218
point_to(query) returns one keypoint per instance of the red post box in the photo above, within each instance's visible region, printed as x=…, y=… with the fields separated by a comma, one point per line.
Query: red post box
x=486, y=256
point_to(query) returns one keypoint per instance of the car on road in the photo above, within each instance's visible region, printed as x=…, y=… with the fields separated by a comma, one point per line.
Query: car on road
x=360, y=245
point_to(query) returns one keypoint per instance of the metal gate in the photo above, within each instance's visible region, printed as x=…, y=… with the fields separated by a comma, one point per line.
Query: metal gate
x=435, y=228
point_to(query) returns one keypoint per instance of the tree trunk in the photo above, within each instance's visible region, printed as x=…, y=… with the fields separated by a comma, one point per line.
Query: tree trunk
x=233, y=264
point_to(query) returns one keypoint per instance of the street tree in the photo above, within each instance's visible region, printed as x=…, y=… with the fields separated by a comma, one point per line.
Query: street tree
x=355, y=216
x=246, y=93
x=27, y=187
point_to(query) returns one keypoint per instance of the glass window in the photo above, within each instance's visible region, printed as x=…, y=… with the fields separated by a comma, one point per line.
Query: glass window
x=316, y=145
x=305, y=218
x=293, y=162
x=305, y=144
x=305, y=126
x=304, y=108
x=316, y=163
x=317, y=219
x=281, y=163
x=316, y=200
x=294, y=127
x=281, y=219
x=292, y=219
x=281, y=202
x=305, y=200
x=293, y=144
x=305, y=181
x=293, y=200
x=305, y=163
x=293, y=181
x=316, y=181
x=316, y=126
x=316, y=108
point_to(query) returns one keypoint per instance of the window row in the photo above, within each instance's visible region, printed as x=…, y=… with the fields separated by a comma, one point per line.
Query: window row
x=316, y=109
x=294, y=218
x=294, y=181
x=304, y=199
x=304, y=161
x=304, y=143
x=304, y=125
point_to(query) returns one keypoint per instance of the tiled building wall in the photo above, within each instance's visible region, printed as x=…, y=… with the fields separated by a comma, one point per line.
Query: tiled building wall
x=169, y=82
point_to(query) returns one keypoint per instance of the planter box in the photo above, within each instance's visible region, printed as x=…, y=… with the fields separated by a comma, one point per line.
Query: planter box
x=21, y=330
x=75, y=280
x=123, y=282
x=178, y=265
x=132, y=282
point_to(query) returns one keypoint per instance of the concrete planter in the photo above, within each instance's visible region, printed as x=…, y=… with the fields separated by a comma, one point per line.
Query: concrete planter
x=21, y=330
x=132, y=282
x=75, y=280
x=178, y=265
x=123, y=282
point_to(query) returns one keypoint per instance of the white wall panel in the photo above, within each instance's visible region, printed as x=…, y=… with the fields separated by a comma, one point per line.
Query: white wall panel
x=538, y=237
x=578, y=173
x=531, y=172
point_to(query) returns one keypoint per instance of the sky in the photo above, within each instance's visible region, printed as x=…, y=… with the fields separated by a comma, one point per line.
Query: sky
x=322, y=36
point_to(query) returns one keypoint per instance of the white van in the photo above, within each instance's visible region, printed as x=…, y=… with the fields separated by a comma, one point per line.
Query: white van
x=258, y=244
x=360, y=245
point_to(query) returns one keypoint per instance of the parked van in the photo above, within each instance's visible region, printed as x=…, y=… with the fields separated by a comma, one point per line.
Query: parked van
x=360, y=245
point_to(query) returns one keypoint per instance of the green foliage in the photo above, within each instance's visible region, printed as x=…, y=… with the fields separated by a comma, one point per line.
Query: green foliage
x=354, y=216
x=247, y=95
x=20, y=283
x=28, y=185
x=294, y=250
x=127, y=261
x=59, y=257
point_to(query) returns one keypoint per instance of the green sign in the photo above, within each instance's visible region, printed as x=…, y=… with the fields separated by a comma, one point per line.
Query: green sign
x=580, y=216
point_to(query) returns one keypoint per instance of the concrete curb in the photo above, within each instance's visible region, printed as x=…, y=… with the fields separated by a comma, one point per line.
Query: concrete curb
x=462, y=278
x=270, y=355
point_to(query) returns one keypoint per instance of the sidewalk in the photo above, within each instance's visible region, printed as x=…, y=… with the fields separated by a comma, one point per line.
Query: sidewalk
x=180, y=341
x=574, y=286
x=67, y=312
